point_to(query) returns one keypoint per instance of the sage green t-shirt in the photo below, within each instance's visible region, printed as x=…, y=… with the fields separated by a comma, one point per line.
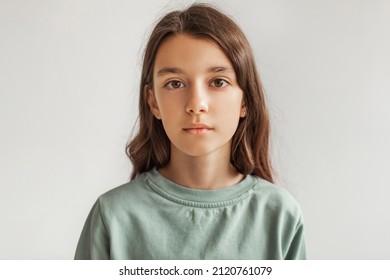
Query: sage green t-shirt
x=151, y=217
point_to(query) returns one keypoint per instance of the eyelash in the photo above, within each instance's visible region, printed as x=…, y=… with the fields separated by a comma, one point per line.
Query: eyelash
x=169, y=84
x=226, y=83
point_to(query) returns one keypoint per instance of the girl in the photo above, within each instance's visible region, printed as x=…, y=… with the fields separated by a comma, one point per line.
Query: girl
x=202, y=186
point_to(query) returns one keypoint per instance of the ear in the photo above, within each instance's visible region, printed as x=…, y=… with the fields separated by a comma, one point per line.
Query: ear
x=243, y=110
x=151, y=99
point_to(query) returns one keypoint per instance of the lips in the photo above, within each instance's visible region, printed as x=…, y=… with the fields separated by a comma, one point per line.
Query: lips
x=197, y=128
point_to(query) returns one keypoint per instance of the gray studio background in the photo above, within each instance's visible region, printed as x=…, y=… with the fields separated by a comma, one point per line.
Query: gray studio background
x=69, y=75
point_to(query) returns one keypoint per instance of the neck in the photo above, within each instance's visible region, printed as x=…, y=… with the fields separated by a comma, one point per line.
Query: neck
x=212, y=171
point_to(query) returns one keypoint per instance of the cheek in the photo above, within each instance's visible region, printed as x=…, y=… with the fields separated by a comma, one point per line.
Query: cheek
x=171, y=115
x=230, y=123
x=169, y=105
x=228, y=107
x=228, y=115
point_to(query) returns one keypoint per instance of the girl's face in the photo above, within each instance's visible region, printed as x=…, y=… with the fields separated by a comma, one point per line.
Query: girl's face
x=196, y=95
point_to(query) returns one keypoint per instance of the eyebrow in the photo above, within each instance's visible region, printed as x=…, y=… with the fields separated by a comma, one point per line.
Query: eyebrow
x=175, y=70
x=169, y=70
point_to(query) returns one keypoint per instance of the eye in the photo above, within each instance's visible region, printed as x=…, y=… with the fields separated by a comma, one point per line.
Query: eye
x=219, y=83
x=174, y=85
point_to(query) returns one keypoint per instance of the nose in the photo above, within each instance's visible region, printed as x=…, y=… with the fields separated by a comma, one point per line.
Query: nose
x=197, y=101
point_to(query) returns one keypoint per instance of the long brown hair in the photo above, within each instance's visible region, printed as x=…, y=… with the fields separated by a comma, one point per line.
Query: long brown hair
x=250, y=144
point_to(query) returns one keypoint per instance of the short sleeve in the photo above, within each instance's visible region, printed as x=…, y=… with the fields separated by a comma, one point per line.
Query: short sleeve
x=94, y=240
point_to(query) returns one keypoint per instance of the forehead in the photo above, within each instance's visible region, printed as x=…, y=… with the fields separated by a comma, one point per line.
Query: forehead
x=191, y=54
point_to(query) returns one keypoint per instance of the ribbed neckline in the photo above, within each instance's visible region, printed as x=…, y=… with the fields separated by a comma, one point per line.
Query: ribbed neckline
x=199, y=198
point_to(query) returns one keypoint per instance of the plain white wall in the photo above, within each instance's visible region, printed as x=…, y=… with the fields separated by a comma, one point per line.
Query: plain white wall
x=69, y=75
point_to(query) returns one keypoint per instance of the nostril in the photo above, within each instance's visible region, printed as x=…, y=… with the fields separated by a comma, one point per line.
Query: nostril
x=197, y=108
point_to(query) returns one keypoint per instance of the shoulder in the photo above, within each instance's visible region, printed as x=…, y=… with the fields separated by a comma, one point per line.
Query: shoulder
x=276, y=199
x=128, y=194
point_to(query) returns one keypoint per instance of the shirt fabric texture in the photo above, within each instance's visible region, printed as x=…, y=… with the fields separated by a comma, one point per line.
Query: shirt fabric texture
x=152, y=217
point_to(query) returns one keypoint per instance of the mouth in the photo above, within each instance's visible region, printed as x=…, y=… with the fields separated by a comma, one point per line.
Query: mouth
x=197, y=129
